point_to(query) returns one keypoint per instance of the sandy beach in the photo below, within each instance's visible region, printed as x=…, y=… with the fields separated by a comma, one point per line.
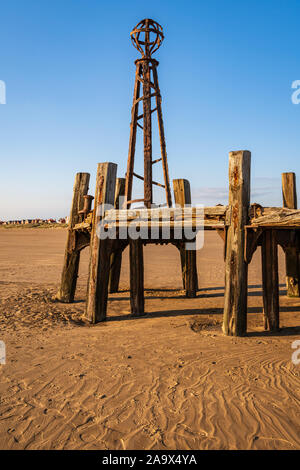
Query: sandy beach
x=169, y=380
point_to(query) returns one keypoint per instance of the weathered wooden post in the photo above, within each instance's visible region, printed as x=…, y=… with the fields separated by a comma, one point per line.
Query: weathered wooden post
x=69, y=275
x=136, y=277
x=236, y=269
x=100, y=250
x=182, y=192
x=191, y=280
x=289, y=195
x=116, y=256
x=269, y=263
x=182, y=196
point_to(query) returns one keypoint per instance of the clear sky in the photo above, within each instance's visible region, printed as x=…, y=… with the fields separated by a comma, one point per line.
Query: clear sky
x=226, y=70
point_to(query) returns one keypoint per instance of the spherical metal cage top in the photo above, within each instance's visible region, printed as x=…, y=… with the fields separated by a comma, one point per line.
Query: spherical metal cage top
x=147, y=37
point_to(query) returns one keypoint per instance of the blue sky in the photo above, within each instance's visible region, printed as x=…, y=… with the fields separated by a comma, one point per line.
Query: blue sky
x=226, y=70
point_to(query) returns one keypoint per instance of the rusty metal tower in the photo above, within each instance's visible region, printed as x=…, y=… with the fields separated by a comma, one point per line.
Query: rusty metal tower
x=147, y=37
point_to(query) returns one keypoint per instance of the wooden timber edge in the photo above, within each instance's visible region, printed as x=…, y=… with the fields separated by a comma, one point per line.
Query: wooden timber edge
x=277, y=218
x=208, y=218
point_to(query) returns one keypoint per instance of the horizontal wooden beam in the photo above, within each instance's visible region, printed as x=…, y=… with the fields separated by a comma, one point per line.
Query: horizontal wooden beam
x=215, y=216
x=164, y=212
x=172, y=224
x=278, y=217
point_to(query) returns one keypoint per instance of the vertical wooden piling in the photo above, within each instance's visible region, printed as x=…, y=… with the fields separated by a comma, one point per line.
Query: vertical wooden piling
x=116, y=257
x=119, y=192
x=100, y=250
x=289, y=193
x=69, y=275
x=182, y=196
x=182, y=192
x=236, y=269
x=289, y=196
x=270, y=280
x=191, y=280
x=137, y=278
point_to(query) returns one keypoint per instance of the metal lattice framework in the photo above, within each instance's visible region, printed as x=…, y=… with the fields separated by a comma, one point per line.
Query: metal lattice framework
x=147, y=37
x=141, y=37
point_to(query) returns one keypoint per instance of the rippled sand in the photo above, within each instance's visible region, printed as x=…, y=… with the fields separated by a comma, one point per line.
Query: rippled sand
x=170, y=380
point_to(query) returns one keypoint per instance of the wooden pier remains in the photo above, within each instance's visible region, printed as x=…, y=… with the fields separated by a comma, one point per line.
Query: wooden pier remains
x=242, y=226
